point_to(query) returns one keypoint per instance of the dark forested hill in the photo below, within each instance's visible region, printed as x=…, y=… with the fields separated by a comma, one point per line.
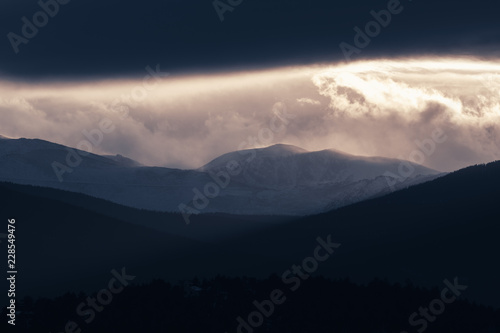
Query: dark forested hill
x=214, y=306
x=439, y=230
x=62, y=247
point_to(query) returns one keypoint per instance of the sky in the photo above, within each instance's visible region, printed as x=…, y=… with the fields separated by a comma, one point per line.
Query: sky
x=182, y=86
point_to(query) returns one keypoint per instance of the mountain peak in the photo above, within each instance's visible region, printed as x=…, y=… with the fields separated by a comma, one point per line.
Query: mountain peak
x=284, y=148
x=276, y=151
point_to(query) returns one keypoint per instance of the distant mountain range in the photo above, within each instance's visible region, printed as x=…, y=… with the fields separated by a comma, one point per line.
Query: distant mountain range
x=278, y=180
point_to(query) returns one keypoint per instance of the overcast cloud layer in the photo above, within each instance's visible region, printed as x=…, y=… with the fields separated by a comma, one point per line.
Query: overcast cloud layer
x=111, y=38
x=367, y=108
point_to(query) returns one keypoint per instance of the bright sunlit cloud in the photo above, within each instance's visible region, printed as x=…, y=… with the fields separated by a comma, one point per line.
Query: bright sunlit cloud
x=377, y=107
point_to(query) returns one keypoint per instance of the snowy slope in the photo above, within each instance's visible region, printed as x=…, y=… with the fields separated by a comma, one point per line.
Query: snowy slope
x=285, y=166
x=280, y=179
x=291, y=177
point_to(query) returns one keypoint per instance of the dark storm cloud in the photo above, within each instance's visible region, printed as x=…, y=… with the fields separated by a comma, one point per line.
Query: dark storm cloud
x=121, y=37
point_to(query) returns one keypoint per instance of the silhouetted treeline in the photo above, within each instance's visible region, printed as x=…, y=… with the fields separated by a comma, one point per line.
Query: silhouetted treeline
x=319, y=305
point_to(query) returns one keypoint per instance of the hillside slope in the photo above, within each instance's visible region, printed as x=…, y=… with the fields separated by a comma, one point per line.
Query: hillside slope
x=277, y=180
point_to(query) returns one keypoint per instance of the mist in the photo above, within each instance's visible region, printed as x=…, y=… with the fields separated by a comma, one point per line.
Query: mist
x=372, y=108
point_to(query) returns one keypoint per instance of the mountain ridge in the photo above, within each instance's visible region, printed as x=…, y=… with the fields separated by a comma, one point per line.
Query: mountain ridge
x=276, y=180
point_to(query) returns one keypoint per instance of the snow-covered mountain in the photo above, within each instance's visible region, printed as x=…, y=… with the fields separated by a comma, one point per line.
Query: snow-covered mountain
x=280, y=179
